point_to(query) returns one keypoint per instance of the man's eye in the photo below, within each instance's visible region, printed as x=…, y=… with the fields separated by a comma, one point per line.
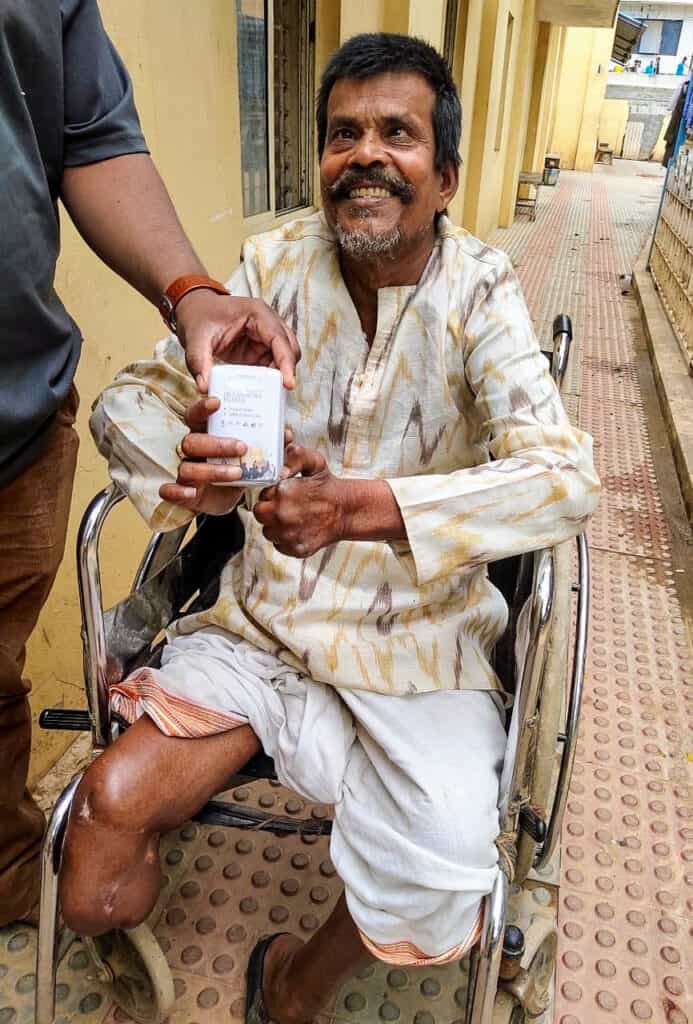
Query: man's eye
x=343, y=133
x=399, y=132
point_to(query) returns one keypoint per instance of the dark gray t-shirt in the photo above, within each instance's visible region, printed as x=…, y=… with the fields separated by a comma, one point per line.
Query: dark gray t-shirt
x=65, y=100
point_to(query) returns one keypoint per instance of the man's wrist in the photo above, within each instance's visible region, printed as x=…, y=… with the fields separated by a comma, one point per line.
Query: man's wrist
x=178, y=290
x=370, y=511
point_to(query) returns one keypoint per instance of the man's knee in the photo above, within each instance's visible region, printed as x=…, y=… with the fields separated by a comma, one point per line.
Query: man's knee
x=109, y=875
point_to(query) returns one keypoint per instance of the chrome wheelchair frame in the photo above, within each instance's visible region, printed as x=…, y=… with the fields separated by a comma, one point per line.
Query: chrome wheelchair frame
x=171, y=575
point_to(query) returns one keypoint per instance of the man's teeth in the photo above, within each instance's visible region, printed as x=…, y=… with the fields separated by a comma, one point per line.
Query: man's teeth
x=370, y=192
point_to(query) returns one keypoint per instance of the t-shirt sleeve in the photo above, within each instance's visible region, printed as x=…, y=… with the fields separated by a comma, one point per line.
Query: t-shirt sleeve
x=100, y=116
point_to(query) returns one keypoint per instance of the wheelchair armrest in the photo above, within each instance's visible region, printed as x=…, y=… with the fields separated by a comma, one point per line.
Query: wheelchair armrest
x=540, y=610
x=170, y=576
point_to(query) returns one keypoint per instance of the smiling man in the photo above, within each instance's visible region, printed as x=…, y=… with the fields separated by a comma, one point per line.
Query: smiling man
x=353, y=634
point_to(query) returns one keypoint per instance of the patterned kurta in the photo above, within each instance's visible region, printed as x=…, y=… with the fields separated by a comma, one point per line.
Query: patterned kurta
x=453, y=404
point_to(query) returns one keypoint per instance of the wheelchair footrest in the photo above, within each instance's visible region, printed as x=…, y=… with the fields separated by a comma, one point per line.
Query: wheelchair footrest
x=217, y=812
x=65, y=718
x=533, y=824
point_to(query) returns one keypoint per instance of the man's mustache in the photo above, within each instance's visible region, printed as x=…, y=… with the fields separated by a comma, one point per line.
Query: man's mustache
x=376, y=177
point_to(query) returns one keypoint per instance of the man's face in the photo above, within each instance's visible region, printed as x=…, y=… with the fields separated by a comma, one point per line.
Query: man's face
x=379, y=185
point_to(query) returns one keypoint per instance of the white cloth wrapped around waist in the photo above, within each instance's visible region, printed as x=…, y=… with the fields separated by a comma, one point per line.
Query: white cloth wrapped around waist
x=413, y=780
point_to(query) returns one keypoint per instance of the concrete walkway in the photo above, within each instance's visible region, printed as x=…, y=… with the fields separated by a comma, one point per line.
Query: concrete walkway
x=623, y=893
x=625, y=902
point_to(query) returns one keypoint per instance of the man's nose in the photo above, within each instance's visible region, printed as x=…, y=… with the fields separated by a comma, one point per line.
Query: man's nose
x=368, y=150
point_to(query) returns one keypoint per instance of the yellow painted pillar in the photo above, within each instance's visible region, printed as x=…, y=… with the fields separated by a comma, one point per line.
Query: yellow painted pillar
x=485, y=104
x=531, y=158
x=520, y=89
x=464, y=70
x=548, y=96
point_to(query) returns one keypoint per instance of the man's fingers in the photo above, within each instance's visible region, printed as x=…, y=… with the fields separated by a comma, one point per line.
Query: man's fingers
x=208, y=446
x=177, y=494
x=196, y=473
x=197, y=414
x=198, y=356
x=265, y=509
x=298, y=459
x=279, y=340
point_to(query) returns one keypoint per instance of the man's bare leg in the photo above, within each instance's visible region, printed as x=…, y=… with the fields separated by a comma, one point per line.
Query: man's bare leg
x=300, y=978
x=145, y=784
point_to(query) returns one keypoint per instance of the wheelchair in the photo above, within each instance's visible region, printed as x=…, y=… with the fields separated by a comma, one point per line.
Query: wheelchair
x=540, y=660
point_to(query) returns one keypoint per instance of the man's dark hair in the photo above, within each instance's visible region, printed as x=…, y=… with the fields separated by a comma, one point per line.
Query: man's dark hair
x=375, y=53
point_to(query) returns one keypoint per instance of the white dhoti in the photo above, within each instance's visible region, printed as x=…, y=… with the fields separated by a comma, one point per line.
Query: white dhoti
x=413, y=780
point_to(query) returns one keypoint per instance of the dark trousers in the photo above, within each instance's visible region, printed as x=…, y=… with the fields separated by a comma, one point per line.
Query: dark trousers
x=34, y=512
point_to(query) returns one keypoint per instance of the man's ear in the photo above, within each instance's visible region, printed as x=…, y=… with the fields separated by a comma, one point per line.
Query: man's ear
x=449, y=183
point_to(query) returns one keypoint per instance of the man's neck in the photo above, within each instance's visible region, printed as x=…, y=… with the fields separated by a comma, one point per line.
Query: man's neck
x=365, y=277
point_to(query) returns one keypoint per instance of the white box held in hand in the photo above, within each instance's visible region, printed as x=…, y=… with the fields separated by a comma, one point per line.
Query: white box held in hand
x=252, y=411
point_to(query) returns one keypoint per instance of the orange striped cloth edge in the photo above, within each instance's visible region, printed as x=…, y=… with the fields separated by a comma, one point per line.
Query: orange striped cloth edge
x=173, y=715
x=406, y=954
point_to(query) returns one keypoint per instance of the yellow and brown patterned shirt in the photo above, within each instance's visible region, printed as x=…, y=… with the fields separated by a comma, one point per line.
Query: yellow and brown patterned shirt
x=452, y=404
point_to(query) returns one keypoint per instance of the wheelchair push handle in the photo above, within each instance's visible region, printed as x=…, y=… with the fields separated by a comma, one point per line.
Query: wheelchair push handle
x=562, y=324
x=562, y=338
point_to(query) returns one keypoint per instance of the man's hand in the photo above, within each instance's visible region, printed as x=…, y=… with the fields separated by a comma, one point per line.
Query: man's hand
x=234, y=330
x=302, y=514
x=195, y=488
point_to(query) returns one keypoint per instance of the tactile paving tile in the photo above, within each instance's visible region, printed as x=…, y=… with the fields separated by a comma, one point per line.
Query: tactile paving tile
x=621, y=961
x=638, y=705
x=78, y=997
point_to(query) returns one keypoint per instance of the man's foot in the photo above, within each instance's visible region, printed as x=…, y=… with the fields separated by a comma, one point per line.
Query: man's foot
x=277, y=965
x=280, y=1002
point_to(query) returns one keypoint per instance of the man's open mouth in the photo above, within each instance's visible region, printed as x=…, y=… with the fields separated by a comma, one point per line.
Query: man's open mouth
x=369, y=192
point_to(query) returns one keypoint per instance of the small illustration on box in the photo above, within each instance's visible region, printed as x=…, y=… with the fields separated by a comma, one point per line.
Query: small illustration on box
x=256, y=466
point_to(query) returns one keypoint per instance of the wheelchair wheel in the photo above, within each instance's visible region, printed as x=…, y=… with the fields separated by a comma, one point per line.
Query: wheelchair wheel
x=133, y=966
x=506, y=1010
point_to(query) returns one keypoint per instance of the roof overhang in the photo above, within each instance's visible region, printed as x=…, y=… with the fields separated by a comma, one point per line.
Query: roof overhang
x=578, y=13
x=629, y=32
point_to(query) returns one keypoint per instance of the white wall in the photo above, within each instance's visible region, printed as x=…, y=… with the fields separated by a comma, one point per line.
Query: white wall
x=665, y=11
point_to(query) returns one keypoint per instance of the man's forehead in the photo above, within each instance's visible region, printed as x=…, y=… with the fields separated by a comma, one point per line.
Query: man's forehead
x=386, y=94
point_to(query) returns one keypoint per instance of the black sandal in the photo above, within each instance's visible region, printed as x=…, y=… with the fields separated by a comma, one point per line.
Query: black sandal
x=255, y=1009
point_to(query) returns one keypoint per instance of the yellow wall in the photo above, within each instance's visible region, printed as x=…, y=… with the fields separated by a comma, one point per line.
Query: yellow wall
x=612, y=123
x=581, y=92
x=185, y=76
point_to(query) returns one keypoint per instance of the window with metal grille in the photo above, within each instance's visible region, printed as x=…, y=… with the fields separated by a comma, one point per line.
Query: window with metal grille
x=275, y=40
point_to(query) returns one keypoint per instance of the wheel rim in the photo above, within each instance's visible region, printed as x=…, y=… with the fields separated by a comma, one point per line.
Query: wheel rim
x=543, y=963
x=141, y=984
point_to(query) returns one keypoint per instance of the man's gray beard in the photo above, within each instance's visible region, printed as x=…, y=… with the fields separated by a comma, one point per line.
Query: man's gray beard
x=363, y=245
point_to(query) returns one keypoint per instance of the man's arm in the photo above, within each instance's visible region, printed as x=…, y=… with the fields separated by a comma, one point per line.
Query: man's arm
x=124, y=213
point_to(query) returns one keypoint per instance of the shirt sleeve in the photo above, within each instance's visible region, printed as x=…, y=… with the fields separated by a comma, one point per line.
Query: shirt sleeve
x=138, y=420
x=541, y=485
x=100, y=116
